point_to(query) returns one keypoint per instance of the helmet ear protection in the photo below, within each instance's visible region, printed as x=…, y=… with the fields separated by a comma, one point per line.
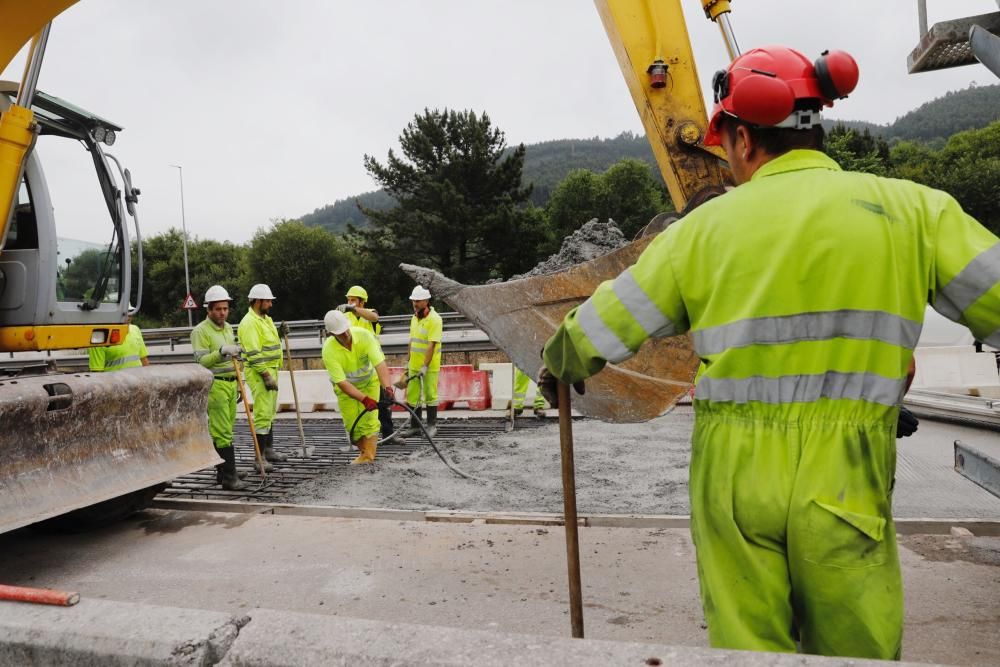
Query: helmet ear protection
x=836, y=73
x=760, y=98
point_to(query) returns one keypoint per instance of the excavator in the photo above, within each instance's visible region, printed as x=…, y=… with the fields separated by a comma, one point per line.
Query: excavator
x=100, y=445
x=85, y=447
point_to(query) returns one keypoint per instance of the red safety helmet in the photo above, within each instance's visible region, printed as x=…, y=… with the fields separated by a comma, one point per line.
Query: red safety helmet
x=763, y=86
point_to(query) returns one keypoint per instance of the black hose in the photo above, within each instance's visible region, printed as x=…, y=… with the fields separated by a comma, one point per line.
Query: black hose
x=455, y=469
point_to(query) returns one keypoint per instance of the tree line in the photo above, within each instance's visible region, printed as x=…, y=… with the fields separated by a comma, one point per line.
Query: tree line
x=460, y=206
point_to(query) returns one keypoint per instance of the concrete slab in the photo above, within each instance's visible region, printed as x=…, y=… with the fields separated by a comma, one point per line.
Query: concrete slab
x=639, y=584
x=100, y=633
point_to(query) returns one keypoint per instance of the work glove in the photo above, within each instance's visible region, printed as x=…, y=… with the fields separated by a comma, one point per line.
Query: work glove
x=346, y=308
x=369, y=403
x=906, y=425
x=229, y=351
x=283, y=329
x=548, y=383
x=269, y=381
x=423, y=371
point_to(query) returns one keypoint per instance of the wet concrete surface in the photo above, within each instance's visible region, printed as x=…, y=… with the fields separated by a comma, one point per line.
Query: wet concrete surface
x=638, y=584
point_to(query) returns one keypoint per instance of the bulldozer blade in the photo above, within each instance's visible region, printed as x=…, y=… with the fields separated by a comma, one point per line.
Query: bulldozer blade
x=72, y=440
x=520, y=315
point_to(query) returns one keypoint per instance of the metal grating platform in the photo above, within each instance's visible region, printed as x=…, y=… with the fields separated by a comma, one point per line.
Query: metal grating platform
x=946, y=44
x=327, y=436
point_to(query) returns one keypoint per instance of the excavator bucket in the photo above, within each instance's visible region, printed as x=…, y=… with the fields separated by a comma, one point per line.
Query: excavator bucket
x=520, y=315
x=70, y=441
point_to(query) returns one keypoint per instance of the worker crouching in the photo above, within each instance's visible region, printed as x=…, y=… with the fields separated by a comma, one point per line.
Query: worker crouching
x=354, y=359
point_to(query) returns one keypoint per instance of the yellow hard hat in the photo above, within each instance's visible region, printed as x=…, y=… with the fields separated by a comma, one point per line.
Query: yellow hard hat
x=359, y=292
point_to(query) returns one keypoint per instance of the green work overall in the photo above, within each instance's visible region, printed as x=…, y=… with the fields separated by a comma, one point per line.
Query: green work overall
x=262, y=351
x=521, y=384
x=206, y=341
x=804, y=291
x=424, y=331
x=357, y=366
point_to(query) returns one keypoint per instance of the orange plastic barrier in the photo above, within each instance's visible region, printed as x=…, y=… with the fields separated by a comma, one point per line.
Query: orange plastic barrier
x=456, y=384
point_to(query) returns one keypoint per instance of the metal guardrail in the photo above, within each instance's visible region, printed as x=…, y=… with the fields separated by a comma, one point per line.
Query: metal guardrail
x=170, y=345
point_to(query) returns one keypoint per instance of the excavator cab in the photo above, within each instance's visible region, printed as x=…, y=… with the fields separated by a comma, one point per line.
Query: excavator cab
x=67, y=284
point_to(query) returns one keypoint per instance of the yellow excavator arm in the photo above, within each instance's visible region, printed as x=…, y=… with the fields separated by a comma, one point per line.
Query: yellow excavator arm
x=21, y=22
x=650, y=41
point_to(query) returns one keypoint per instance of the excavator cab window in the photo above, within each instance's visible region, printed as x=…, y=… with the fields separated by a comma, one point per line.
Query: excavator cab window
x=23, y=232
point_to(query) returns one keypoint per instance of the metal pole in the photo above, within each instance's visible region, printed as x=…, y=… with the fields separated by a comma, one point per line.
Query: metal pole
x=32, y=67
x=569, y=512
x=187, y=278
x=728, y=36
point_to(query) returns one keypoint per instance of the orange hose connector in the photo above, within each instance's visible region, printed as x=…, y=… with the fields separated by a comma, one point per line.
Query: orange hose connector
x=38, y=595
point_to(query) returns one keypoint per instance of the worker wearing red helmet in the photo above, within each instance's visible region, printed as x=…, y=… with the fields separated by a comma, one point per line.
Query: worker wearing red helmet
x=803, y=289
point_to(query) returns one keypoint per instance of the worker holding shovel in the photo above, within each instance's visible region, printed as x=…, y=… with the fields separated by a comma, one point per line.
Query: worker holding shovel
x=354, y=360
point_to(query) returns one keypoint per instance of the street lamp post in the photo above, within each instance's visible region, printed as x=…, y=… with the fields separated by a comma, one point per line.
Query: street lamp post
x=187, y=278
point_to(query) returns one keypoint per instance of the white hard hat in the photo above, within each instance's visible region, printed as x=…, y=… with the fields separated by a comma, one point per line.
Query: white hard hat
x=420, y=293
x=336, y=322
x=260, y=291
x=216, y=293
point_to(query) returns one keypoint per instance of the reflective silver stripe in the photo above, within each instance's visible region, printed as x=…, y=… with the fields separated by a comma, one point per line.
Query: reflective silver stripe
x=976, y=279
x=520, y=394
x=271, y=347
x=859, y=324
x=419, y=340
x=121, y=361
x=803, y=388
x=653, y=322
x=223, y=371
x=607, y=343
x=198, y=354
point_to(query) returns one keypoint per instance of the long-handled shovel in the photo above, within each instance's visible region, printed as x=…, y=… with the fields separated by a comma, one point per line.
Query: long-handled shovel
x=569, y=511
x=304, y=449
x=238, y=367
x=509, y=426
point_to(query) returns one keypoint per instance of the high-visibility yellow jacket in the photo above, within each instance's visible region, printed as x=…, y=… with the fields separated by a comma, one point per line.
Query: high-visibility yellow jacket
x=206, y=339
x=127, y=354
x=805, y=286
x=423, y=332
x=356, y=321
x=356, y=365
x=260, y=342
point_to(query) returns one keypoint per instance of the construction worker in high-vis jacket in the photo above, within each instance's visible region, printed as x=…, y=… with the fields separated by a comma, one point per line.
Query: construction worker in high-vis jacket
x=804, y=290
x=130, y=353
x=354, y=360
x=424, y=362
x=214, y=346
x=360, y=315
x=261, y=344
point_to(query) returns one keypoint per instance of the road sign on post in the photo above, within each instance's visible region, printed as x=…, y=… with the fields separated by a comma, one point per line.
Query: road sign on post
x=189, y=303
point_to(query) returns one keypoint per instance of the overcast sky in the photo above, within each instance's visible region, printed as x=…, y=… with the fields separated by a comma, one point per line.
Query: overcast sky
x=270, y=106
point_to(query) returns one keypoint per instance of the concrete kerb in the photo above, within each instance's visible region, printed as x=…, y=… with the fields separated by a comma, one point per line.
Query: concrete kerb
x=904, y=526
x=101, y=632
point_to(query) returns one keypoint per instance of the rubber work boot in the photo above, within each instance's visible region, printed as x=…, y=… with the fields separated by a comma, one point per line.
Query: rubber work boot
x=540, y=413
x=367, y=446
x=261, y=439
x=240, y=474
x=518, y=412
x=414, y=424
x=432, y=420
x=269, y=452
x=230, y=480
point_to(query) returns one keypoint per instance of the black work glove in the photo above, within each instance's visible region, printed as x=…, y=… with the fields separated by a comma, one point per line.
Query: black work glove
x=907, y=423
x=385, y=398
x=548, y=383
x=283, y=329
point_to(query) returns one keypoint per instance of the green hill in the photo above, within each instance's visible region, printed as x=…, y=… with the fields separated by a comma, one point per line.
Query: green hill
x=548, y=163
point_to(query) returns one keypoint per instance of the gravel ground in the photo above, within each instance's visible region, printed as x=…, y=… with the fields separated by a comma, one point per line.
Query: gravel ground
x=620, y=469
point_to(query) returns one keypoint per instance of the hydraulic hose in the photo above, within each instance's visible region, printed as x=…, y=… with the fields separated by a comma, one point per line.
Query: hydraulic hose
x=455, y=469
